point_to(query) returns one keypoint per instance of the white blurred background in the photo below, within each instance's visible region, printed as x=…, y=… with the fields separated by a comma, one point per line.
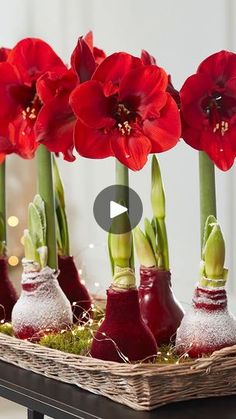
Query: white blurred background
x=180, y=34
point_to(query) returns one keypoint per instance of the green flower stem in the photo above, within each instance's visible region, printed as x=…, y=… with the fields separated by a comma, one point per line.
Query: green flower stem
x=3, y=200
x=121, y=245
x=46, y=191
x=122, y=174
x=207, y=190
x=122, y=178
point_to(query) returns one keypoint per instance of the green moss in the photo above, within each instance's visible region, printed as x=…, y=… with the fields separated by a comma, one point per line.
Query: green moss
x=75, y=341
x=6, y=328
x=78, y=340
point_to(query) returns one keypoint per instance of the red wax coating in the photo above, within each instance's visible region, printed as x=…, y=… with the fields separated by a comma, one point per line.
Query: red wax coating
x=159, y=308
x=209, y=299
x=8, y=296
x=72, y=287
x=124, y=325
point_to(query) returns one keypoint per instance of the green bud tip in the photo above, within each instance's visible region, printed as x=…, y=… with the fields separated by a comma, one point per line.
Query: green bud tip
x=213, y=254
x=143, y=248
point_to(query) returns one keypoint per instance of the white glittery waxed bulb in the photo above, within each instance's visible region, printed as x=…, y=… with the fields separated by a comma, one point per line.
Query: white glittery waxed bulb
x=42, y=305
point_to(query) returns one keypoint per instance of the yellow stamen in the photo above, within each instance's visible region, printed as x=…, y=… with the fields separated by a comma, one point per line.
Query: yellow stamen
x=124, y=128
x=223, y=126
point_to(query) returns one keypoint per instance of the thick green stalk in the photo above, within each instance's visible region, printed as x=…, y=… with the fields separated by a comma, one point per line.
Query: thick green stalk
x=121, y=245
x=207, y=189
x=46, y=191
x=124, y=240
x=122, y=178
x=3, y=200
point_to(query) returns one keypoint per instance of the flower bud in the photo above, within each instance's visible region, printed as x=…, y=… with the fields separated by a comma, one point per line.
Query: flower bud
x=30, y=251
x=143, y=248
x=214, y=254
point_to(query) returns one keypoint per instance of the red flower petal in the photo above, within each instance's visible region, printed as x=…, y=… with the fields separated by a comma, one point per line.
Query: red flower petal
x=190, y=135
x=99, y=54
x=92, y=143
x=147, y=58
x=164, y=132
x=89, y=39
x=83, y=61
x=33, y=57
x=9, y=81
x=6, y=146
x=221, y=150
x=51, y=84
x=4, y=52
x=54, y=127
x=114, y=67
x=21, y=135
x=131, y=150
x=219, y=66
x=91, y=106
x=143, y=90
x=195, y=89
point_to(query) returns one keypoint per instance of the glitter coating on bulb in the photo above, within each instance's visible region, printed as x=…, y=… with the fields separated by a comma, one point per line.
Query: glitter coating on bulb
x=208, y=326
x=42, y=305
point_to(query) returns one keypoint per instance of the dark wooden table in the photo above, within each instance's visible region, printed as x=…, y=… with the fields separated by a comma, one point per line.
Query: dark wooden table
x=42, y=395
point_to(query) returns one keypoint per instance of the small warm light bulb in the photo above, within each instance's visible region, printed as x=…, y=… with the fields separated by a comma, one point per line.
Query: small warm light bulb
x=13, y=260
x=82, y=281
x=13, y=221
x=96, y=284
x=91, y=245
x=80, y=271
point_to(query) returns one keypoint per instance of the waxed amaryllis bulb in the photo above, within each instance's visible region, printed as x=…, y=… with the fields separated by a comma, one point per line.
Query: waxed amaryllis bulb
x=8, y=296
x=160, y=310
x=123, y=336
x=42, y=305
x=74, y=290
x=208, y=326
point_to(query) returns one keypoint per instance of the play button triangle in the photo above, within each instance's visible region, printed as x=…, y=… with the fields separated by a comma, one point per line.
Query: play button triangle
x=116, y=209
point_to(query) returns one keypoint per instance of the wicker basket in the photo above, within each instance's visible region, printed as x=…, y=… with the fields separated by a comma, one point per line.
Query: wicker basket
x=139, y=386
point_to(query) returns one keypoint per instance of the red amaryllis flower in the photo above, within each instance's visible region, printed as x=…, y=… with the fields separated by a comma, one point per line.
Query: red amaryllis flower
x=4, y=52
x=148, y=59
x=124, y=111
x=208, y=105
x=56, y=120
x=19, y=102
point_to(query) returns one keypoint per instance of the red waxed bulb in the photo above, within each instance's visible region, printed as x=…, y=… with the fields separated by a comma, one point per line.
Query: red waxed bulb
x=123, y=331
x=208, y=326
x=72, y=287
x=8, y=296
x=160, y=310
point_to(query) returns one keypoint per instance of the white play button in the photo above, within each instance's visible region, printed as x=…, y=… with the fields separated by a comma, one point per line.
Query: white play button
x=111, y=203
x=116, y=209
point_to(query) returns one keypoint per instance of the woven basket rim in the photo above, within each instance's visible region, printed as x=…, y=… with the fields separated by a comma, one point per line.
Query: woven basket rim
x=122, y=368
x=139, y=386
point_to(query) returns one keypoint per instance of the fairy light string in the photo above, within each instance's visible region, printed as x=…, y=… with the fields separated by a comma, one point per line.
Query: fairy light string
x=78, y=338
